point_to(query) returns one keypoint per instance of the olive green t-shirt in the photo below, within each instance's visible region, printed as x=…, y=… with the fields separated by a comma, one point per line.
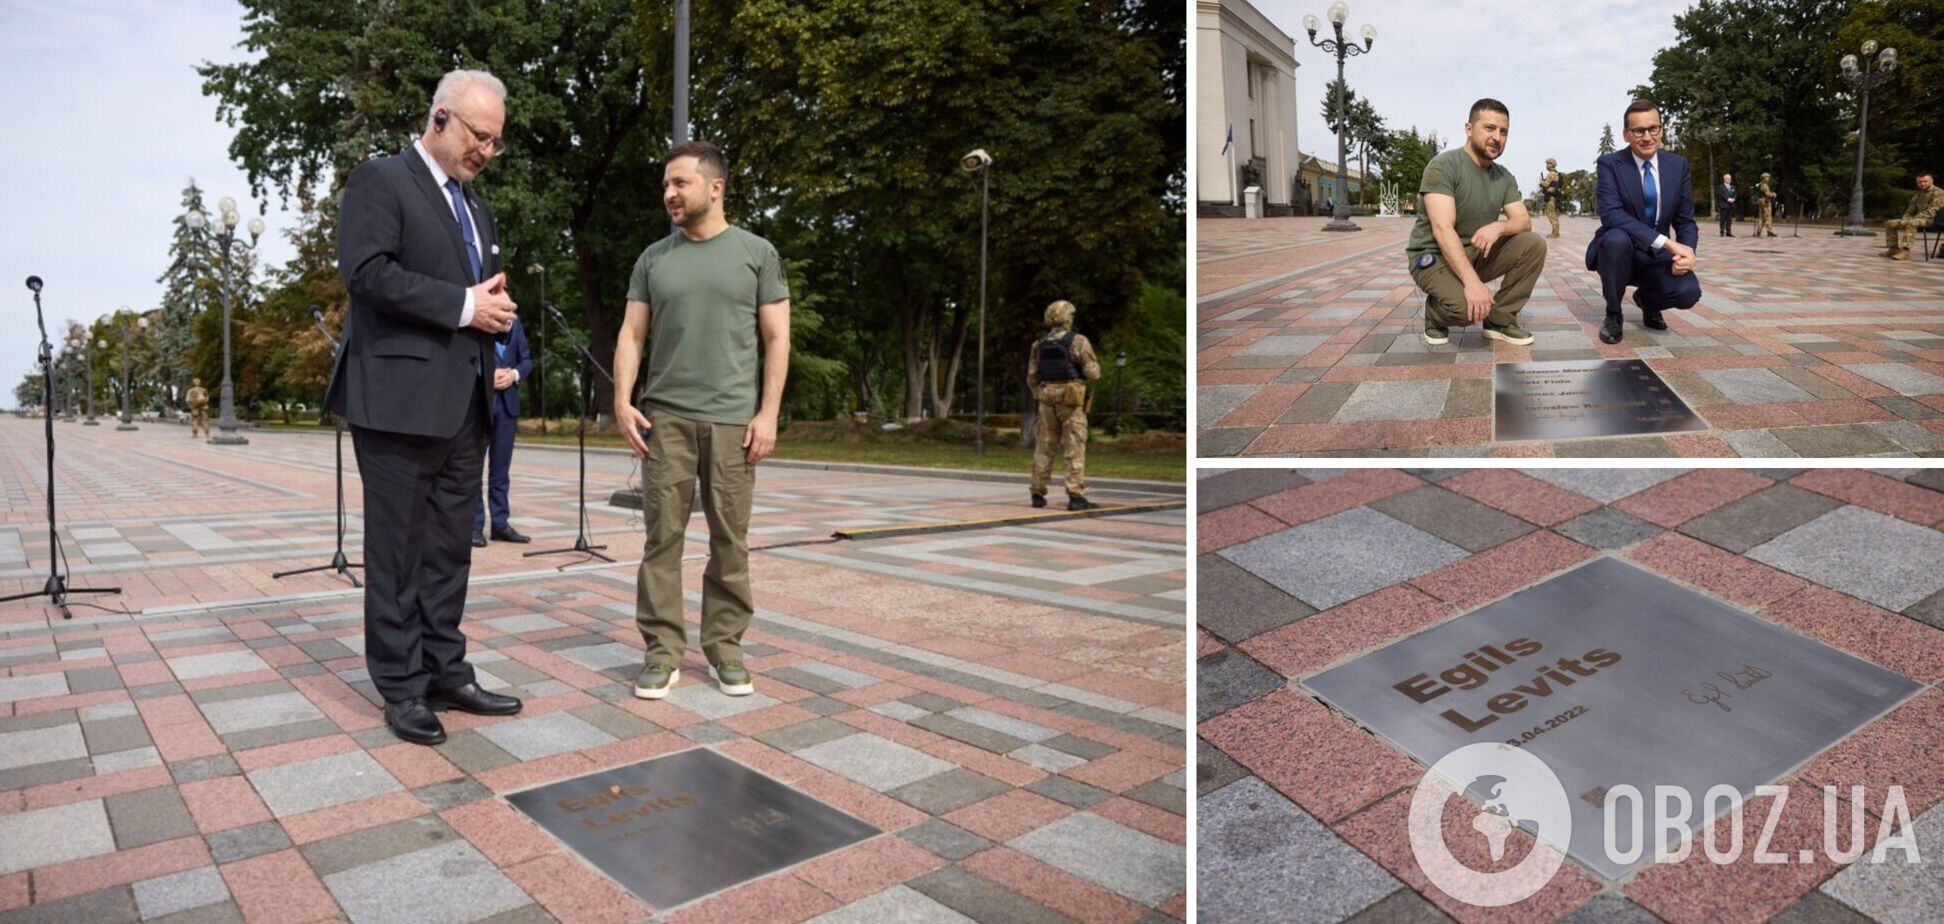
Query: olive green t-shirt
x=1480, y=193
x=702, y=336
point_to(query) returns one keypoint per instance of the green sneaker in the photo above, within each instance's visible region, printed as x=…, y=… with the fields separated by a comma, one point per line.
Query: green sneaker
x=732, y=677
x=1510, y=333
x=1434, y=333
x=655, y=681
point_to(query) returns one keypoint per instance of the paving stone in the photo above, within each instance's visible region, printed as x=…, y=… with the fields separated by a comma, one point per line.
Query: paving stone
x=361, y=848
x=40, y=837
x=1609, y=907
x=149, y=816
x=1225, y=441
x=801, y=735
x=32, y=686
x=247, y=841
x=1865, y=554
x=1242, y=485
x=1607, y=528
x=1261, y=858
x=112, y=735
x=824, y=705
x=945, y=839
x=1835, y=441
x=1930, y=611
x=1753, y=386
x=280, y=734
x=1212, y=402
x=94, y=680
x=850, y=679
x=41, y=774
x=1018, y=728
x=544, y=735
x=1161, y=795
x=605, y=656
x=1406, y=400
x=197, y=667
x=710, y=703
x=1759, y=517
x=104, y=906
x=321, y=783
x=448, y=883
x=1319, y=404
x=1400, y=907
x=1214, y=769
x=1127, y=862
x=1456, y=519
x=328, y=649
x=897, y=903
x=876, y=762
x=1045, y=758
x=900, y=710
x=1080, y=747
x=953, y=789
x=1341, y=557
x=1235, y=605
x=1818, y=908
x=451, y=793
x=932, y=702
x=1902, y=379
x=1229, y=678
x=524, y=622
x=615, y=721
x=180, y=892
x=259, y=712
x=131, y=759
x=1291, y=345
x=41, y=746
x=982, y=899
x=977, y=736
x=805, y=681
x=1897, y=890
x=707, y=733
x=204, y=768
x=1068, y=791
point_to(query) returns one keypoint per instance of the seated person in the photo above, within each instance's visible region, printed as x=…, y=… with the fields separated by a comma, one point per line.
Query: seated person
x=1459, y=241
x=1643, y=197
x=1923, y=207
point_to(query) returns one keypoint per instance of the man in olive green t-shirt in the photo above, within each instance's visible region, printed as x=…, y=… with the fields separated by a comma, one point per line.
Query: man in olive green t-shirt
x=702, y=298
x=1460, y=243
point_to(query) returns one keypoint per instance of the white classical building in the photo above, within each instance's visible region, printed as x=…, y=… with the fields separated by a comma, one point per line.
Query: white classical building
x=1245, y=82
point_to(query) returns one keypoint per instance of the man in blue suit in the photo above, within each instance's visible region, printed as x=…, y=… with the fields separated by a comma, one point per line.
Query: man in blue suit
x=514, y=363
x=1647, y=234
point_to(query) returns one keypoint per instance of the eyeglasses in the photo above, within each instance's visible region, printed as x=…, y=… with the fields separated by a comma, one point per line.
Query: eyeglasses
x=1645, y=131
x=492, y=143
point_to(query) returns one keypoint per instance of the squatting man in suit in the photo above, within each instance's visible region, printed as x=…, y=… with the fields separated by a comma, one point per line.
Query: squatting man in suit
x=712, y=303
x=420, y=258
x=1644, y=198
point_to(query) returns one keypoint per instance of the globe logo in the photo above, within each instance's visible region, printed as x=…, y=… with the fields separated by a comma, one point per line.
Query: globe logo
x=1518, y=790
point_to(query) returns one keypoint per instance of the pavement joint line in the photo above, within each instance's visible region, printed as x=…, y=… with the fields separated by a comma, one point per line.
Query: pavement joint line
x=885, y=532
x=1237, y=293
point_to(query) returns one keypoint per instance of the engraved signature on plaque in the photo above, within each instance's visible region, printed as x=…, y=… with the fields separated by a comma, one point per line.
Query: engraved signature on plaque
x=1711, y=693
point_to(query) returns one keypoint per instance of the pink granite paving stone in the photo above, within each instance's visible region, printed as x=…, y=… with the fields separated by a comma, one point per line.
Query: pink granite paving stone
x=1681, y=499
x=1521, y=495
x=1717, y=571
x=1316, y=758
x=1900, y=749
x=1698, y=889
x=1318, y=641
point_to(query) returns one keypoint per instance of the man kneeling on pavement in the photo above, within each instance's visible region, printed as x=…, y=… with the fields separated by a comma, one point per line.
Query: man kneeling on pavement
x=1460, y=241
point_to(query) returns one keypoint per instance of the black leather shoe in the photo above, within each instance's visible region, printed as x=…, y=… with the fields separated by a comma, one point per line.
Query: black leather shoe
x=1652, y=320
x=509, y=534
x=1610, y=331
x=470, y=698
x=479, y=539
x=1080, y=503
x=1039, y=500
x=412, y=720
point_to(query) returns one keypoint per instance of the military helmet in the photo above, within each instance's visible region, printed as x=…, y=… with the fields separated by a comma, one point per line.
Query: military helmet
x=1551, y=163
x=195, y=382
x=1765, y=176
x=1059, y=314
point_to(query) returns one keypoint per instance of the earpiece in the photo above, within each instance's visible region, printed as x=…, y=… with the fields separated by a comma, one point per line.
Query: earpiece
x=440, y=117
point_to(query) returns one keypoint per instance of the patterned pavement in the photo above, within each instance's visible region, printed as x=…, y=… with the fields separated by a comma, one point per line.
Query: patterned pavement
x=1301, y=813
x=1008, y=706
x=1309, y=344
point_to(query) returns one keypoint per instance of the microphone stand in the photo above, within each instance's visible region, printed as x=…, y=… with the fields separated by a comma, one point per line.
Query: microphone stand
x=339, y=563
x=56, y=587
x=588, y=365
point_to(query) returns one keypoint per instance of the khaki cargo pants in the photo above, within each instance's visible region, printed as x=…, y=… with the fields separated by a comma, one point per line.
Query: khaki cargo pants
x=1517, y=258
x=1061, y=424
x=681, y=452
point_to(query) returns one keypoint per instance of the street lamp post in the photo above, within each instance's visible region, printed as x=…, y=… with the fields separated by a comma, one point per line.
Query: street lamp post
x=980, y=161
x=540, y=365
x=128, y=422
x=1120, y=362
x=88, y=345
x=1874, y=69
x=1338, y=12
x=222, y=247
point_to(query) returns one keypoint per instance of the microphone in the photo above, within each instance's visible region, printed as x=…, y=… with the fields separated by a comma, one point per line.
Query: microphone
x=317, y=314
x=34, y=283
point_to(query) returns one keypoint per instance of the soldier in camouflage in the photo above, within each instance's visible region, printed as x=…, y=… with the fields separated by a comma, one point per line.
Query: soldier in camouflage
x=198, y=398
x=1923, y=207
x=1765, y=194
x=1058, y=369
x=1550, y=188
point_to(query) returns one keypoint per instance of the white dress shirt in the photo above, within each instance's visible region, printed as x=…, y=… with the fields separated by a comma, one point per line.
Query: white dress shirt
x=1660, y=191
x=439, y=178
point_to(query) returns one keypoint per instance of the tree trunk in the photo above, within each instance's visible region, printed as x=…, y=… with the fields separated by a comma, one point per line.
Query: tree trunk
x=914, y=363
x=944, y=398
x=603, y=332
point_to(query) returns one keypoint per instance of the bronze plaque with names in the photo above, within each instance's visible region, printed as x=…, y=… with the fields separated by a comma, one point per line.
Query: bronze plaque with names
x=689, y=824
x=1580, y=398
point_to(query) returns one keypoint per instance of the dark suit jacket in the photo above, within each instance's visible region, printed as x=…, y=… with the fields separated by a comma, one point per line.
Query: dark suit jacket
x=407, y=366
x=1725, y=198
x=507, y=403
x=1622, y=204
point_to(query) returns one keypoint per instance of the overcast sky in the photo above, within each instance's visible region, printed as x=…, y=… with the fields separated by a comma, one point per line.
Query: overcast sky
x=106, y=121
x=1563, y=69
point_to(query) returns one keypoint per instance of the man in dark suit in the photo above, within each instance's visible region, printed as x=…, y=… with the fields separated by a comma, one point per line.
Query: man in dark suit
x=420, y=259
x=1725, y=204
x=515, y=363
x=1643, y=196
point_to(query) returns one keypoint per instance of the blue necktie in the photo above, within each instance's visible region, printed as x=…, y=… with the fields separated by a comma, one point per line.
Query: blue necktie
x=1647, y=188
x=465, y=225
x=500, y=348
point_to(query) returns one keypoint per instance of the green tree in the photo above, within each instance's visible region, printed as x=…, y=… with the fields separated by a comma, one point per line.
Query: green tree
x=1606, y=139
x=186, y=290
x=29, y=394
x=1408, y=157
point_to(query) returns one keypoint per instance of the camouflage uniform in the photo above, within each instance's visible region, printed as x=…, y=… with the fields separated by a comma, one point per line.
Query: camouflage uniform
x=1766, y=197
x=198, y=409
x=1549, y=188
x=1062, y=419
x=1902, y=232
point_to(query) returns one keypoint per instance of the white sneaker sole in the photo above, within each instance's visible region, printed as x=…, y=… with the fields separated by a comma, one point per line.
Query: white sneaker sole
x=733, y=689
x=1495, y=335
x=1440, y=341
x=659, y=692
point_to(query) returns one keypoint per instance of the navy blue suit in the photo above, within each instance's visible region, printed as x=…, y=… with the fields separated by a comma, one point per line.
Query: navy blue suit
x=511, y=352
x=1622, y=250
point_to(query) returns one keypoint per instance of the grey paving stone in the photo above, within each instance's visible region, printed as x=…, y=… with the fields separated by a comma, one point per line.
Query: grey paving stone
x=945, y=839
x=876, y=762
x=1607, y=528
x=280, y=734
x=796, y=737
x=977, y=736
x=1261, y=858
x=604, y=656
x=1759, y=517
x=1212, y=402
x=900, y=710
x=1818, y=908
x=94, y=680
x=1291, y=345
x=40, y=774
x=953, y=789
x=1213, y=768
x=1045, y=758
x=130, y=759
x=1242, y=485
x=204, y=768
x=370, y=845
x=1621, y=447
x=1400, y=907
x=1870, y=556
x=441, y=796
x=105, y=906
x=1161, y=795
x=1753, y=386
x=1224, y=441
x=1411, y=399
x=35, y=720
x=982, y=899
x=108, y=736
x=898, y=903
x=1005, y=724
x=1456, y=519
x=1342, y=557
x=246, y=842
x=1235, y=605
x=149, y=816
x=1080, y=747
x=705, y=700
x=241, y=691
x=260, y=712
x=41, y=746
x=1897, y=891
x=1932, y=478
x=1900, y=378
x=1756, y=444
x=848, y=678
x=805, y=681
x=1068, y=791
x=1229, y=678
x=707, y=733
x=196, y=667
x=524, y=622
x=544, y=735
x=1929, y=611
x=39, y=837
x=448, y=883
x=1835, y=441
x=327, y=649
x=824, y=705
x=223, y=912
x=1129, y=863
x=180, y=892
x=321, y=783
x=32, y=686
x=615, y=721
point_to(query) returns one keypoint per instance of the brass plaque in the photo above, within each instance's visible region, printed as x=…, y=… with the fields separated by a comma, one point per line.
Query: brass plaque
x=1582, y=398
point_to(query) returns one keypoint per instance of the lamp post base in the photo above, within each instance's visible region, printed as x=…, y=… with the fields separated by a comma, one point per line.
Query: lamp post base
x=127, y=426
x=91, y=422
x=1341, y=224
x=1855, y=231
x=229, y=439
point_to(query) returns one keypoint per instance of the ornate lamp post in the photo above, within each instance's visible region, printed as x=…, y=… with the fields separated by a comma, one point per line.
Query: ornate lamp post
x=89, y=345
x=540, y=364
x=222, y=246
x=981, y=163
x=128, y=422
x=1871, y=71
x=1339, y=12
